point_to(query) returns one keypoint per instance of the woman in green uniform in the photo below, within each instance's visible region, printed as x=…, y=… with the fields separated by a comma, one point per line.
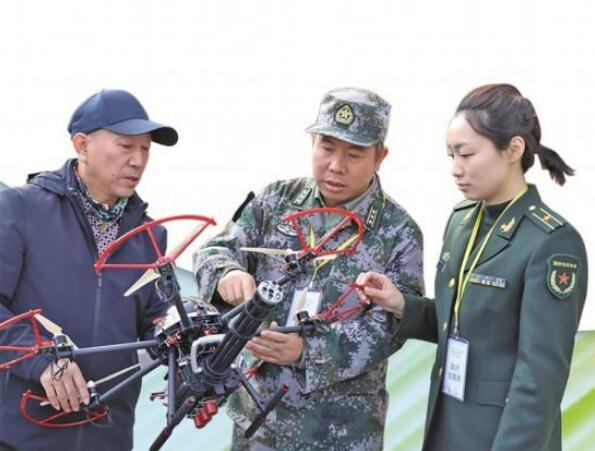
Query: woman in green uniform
x=510, y=287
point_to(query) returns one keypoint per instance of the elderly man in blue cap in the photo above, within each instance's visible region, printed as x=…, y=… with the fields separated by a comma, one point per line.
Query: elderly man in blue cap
x=51, y=232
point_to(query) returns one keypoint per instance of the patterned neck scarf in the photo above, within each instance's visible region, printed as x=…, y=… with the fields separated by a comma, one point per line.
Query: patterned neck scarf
x=104, y=221
x=104, y=213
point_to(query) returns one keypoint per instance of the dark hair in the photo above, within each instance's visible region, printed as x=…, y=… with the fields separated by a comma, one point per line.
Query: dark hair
x=499, y=112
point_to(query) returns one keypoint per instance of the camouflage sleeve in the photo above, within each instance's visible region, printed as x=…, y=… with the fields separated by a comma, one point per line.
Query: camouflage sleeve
x=221, y=253
x=352, y=348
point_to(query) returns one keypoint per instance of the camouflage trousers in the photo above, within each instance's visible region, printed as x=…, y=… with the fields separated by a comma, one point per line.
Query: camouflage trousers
x=241, y=443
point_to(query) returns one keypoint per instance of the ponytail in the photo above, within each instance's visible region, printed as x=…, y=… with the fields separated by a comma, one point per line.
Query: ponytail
x=554, y=164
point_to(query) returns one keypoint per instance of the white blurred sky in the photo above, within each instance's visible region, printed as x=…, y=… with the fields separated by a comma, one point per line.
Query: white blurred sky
x=241, y=80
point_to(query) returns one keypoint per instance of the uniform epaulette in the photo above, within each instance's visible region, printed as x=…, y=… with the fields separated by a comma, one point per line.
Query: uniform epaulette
x=296, y=190
x=540, y=215
x=465, y=204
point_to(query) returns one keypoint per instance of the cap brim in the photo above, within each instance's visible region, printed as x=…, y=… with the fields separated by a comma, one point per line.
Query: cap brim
x=340, y=133
x=161, y=134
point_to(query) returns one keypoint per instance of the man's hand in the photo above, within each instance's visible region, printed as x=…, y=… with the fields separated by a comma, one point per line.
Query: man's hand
x=275, y=347
x=66, y=391
x=236, y=287
x=380, y=290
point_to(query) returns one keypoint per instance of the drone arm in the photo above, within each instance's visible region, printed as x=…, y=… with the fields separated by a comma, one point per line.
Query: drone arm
x=133, y=377
x=251, y=390
x=154, y=307
x=171, y=384
x=180, y=414
x=261, y=417
x=265, y=409
x=73, y=353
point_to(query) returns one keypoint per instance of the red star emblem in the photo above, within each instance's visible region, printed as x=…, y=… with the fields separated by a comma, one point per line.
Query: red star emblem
x=563, y=278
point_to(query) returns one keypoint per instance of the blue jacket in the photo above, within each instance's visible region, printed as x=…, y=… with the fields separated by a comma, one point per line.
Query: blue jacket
x=47, y=252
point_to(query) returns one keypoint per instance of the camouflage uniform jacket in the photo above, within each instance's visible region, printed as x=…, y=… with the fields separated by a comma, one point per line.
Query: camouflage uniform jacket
x=337, y=398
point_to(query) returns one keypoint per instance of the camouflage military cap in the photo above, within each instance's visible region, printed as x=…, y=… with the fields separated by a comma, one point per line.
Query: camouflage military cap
x=354, y=115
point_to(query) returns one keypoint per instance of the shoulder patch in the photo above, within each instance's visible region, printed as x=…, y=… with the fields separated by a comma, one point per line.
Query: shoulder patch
x=543, y=218
x=465, y=204
x=561, y=274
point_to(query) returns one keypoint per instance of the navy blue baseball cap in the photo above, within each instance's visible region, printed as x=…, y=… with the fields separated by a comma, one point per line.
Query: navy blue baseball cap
x=119, y=112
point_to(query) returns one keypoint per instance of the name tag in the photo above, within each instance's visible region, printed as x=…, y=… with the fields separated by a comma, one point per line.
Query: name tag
x=303, y=299
x=455, y=370
x=490, y=281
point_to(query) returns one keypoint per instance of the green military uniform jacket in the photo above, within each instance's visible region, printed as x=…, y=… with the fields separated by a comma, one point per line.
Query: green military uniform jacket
x=337, y=398
x=520, y=313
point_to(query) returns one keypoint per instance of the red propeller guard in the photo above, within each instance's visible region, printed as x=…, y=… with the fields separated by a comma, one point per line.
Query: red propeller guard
x=335, y=312
x=28, y=351
x=58, y=420
x=101, y=264
x=317, y=250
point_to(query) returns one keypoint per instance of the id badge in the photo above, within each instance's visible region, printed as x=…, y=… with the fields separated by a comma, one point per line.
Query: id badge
x=303, y=299
x=455, y=370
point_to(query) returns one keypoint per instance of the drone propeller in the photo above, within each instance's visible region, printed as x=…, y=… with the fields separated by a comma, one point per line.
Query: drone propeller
x=151, y=274
x=148, y=276
x=162, y=260
x=53, y=328
x=268, y=251
x=185, y=242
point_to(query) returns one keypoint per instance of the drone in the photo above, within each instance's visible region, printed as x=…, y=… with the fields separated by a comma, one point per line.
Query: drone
x=198, y=344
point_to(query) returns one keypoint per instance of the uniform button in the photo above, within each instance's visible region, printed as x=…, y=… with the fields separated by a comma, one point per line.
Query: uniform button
x=506, y=400
x=532, y=207
x=451, y=282
x=444, y=326
x=440, y=372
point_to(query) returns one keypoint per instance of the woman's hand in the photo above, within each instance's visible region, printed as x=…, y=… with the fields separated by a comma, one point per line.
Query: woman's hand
x=380, y=290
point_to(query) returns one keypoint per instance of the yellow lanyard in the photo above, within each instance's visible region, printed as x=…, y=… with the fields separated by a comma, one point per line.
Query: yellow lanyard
x=464, y=280
x=325, y=260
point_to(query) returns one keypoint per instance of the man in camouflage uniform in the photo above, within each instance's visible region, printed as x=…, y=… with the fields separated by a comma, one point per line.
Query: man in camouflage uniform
x=337, y=398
